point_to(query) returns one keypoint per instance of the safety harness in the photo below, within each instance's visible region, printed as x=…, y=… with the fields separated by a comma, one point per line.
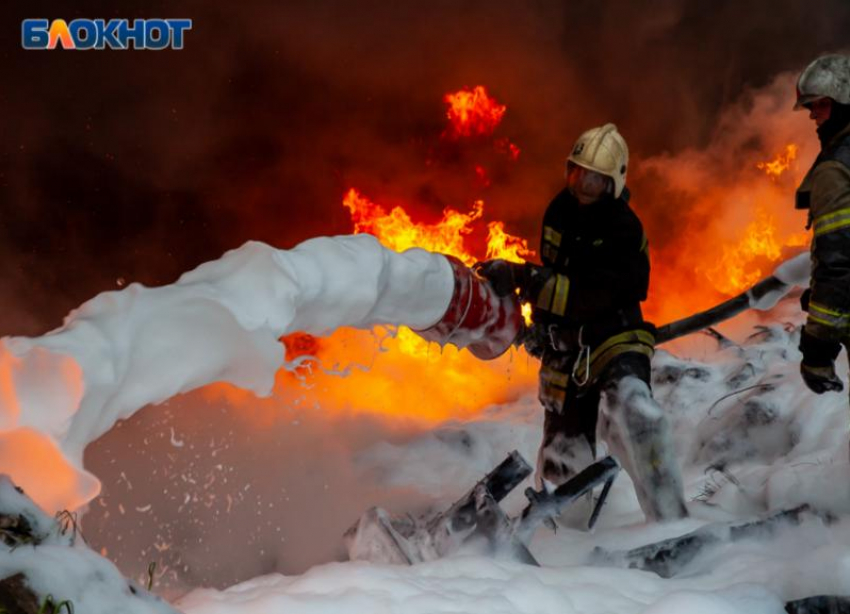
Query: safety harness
x=590, y=363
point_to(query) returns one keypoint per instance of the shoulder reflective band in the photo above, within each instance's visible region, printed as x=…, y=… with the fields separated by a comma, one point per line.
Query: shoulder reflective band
x=544, y=299
x=562, y=291
x=553, y=296
x=832, y=221
x=828, y=317
x=644, y=243
x=552, y=236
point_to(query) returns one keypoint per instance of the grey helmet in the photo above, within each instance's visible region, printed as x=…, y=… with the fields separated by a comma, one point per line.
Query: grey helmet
x=826, y=77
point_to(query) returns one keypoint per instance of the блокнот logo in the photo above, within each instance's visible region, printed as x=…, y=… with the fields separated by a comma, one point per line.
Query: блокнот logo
x=85, y=34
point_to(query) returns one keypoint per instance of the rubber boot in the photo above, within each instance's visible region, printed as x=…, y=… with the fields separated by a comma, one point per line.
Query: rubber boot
x=558, y=460
x=638, y=435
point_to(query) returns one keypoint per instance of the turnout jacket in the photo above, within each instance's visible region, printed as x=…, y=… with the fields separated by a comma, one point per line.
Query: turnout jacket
x=825, y=191
x=598, y=255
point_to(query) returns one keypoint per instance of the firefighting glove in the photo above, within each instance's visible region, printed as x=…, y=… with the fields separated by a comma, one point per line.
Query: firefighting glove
x=818, y=365
x=502, y=275
x=535, y=277
x=535, y=339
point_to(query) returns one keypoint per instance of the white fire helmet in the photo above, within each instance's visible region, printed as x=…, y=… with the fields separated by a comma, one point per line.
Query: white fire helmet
x=826, y=77
x=603, y=150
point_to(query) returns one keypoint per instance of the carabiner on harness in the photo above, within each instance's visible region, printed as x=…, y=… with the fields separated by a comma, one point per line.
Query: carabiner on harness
x=552, y=331
x=583, y=354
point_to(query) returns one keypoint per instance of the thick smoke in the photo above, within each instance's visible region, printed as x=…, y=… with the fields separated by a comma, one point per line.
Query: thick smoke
x=701, y=204
x=137, y=166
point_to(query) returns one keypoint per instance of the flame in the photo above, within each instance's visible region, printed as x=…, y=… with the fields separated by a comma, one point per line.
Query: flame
x=526, y=314
x=396, y=372
x=397, y=231
x=507, y=247
x=399, y=374
x=761, y=243
x=715, y=223
x=783, y=162
x=742, y=264
x=472, y=112
x=732, y=273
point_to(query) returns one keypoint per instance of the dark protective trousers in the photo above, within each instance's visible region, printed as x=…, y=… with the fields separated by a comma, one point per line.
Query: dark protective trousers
x=619, y=404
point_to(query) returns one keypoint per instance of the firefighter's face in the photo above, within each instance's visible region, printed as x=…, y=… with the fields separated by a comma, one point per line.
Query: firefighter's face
x=819, y=110
x=586, y=185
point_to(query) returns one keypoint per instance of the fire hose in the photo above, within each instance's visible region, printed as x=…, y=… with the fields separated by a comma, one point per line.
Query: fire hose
x=764, y=295
x=488, y=324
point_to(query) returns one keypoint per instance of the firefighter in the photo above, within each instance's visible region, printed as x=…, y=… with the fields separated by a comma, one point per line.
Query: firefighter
x=823, y=88
x=588, y=330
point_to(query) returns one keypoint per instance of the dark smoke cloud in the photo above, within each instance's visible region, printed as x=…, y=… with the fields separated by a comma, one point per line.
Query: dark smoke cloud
x=137, y=166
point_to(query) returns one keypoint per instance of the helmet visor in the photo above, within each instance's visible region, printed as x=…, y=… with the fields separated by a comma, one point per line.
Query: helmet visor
x=586, y=185
x=803, y=100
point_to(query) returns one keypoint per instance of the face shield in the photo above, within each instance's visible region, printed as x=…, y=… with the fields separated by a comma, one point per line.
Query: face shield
x=586, y=185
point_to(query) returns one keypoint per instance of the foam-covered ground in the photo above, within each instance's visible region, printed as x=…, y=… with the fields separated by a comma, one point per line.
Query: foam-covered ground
x=751, y=440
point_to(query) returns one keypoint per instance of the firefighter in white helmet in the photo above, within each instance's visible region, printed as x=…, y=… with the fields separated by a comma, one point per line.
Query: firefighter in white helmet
x=823, y=89
x=589, y=332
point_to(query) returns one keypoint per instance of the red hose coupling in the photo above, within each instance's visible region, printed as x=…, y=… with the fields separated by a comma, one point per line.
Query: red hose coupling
x=476, y=318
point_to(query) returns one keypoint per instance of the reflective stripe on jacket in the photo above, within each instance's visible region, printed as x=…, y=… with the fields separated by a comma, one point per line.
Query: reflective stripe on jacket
x=599, y=256
x=826, y=192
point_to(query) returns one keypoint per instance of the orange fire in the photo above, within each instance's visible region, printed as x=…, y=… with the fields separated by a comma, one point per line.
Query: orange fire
x=783, y=162
x=472, y=112
x=396, y=372
x=526, y=314
x=762, y=244
x=398, y=231
x=507, y=247
x=738, y=268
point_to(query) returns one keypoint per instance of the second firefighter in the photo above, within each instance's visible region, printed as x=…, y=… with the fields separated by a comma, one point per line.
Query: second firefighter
x=589, y=333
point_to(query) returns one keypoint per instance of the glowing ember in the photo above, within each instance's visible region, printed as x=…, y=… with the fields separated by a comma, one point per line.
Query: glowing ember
x=504, y=146
x=473, y=113
x=782, y=163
